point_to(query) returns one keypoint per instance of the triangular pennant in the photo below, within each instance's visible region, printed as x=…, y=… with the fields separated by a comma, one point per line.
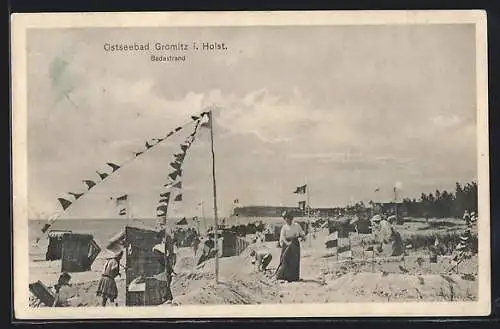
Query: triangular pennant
x=102, y=175
x=138, y=153
x=162, y=208
x=169, y=134
x=45, y=228
x=180, y=156
x=64, y=203
x=123, y=212
x=159, y=140
x=122, y=198
x=76, y=195
x=164, y=202
x=165, y=195
x=148, y=146
x=178, y=197
x=194, y=117
x=184, y=147
x=113, y=166
x=178, y=184
x=177, y=129
x=176, y=165
x=90, y=184
x=174, y=175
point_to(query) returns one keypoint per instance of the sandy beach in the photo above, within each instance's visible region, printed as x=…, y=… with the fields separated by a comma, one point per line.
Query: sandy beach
x=325, y=277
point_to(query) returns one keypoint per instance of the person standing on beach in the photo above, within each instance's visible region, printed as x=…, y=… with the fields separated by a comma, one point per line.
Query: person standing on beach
x=466, y=217
x=289, y=267
x=195, y=244
x=166, y=259
x=107, y=288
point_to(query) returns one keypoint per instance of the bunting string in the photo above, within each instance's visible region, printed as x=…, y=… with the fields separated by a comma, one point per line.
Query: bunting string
x=67, y=202
x=175, y=176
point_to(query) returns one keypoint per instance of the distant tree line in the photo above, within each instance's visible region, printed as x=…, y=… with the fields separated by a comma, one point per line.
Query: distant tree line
x=443, y=203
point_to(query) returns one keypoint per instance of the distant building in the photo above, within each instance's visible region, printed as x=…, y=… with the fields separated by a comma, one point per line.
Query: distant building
x=391, y=208
x=272, y=211
x=261, y=211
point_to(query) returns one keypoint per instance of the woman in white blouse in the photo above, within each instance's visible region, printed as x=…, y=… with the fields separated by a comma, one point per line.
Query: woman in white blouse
x=291, y=232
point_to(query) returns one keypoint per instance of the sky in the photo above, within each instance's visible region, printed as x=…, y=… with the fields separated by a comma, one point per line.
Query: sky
x=343, y=109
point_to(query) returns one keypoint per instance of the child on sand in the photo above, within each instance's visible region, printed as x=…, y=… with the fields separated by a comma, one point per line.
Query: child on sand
x=63, y=293
x=261, y=258
x=107, y=288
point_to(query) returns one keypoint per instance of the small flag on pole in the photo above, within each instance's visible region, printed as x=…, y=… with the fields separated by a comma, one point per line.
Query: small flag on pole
x=121, y=203
x=332, y=241
x=205, y=120
x=300, y=189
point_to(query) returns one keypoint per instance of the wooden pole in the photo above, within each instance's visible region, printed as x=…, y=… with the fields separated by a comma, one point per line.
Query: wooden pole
x=202, y=217
x=216, y=220
x=396, y=203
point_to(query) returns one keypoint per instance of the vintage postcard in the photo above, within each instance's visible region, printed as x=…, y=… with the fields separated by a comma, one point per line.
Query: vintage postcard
x=250, y=164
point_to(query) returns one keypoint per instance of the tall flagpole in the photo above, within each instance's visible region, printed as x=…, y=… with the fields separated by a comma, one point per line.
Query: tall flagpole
x=129, y=209
x=202, y=216
x=307, y=197
x=216, y=220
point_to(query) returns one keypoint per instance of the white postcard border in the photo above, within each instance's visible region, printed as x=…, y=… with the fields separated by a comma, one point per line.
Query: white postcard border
x=22, y=22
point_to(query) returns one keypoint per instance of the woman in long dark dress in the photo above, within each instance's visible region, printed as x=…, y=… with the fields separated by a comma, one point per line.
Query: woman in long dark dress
x=289, y=268
x=107, y=288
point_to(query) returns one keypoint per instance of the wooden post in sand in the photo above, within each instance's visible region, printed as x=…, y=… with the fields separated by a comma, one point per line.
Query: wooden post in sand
x=216, y=220
x=373, y=259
